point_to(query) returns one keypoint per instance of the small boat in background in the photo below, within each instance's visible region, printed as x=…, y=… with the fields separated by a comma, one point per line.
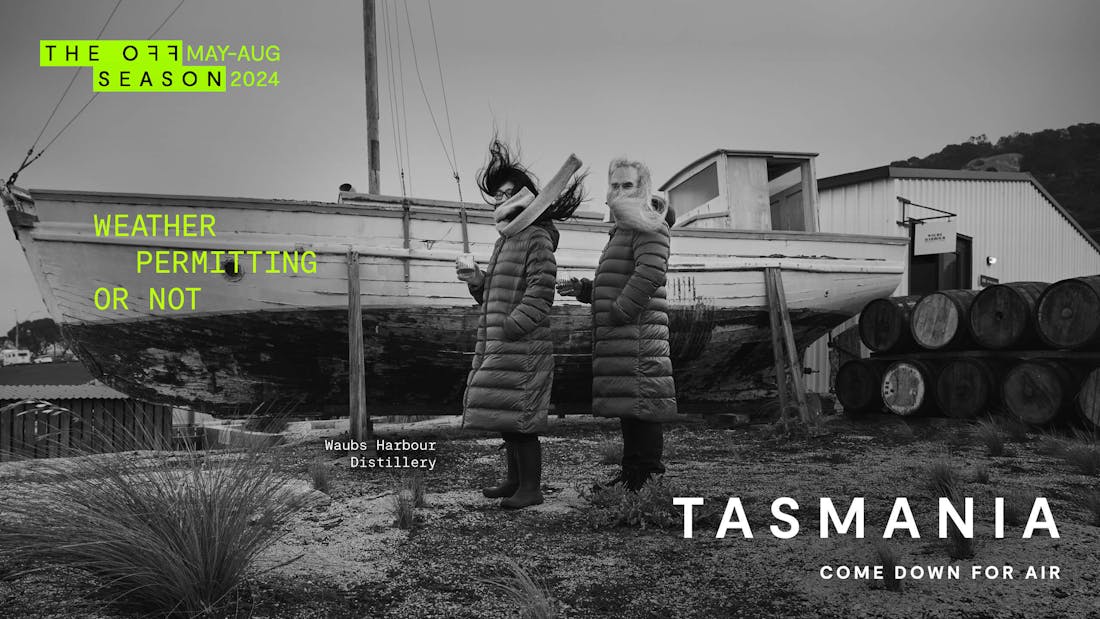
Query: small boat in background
x=253, y=336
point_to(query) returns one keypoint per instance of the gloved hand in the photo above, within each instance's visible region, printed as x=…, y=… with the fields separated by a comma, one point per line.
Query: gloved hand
x=569, y=287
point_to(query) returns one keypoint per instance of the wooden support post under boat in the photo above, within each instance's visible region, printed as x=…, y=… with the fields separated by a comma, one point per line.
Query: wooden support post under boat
x=359, y=427
x=786, y=354
x=780, y=375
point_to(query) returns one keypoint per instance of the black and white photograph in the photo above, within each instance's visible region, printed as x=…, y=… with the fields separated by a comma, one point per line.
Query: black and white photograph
x=642, y=309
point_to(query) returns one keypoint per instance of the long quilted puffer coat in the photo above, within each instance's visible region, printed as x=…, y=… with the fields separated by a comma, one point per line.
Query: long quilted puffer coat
x=508, y=389
x=631, y=368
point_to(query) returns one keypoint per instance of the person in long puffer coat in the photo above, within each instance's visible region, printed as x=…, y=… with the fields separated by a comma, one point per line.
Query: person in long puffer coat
x=631, y=367
x=508, y=389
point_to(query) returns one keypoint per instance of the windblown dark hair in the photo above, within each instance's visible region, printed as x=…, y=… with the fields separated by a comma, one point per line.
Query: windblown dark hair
x=503, y=166
x=569, y=200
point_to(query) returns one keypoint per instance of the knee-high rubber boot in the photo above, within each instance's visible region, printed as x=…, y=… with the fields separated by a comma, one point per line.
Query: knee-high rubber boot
x=529, y=457
x=649, y=439
x=508, y=486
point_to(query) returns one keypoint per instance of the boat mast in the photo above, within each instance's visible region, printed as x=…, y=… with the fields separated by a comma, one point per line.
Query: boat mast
x=371, y=54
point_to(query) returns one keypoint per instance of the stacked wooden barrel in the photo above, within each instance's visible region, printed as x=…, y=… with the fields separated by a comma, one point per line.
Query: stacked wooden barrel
x=1029, y=349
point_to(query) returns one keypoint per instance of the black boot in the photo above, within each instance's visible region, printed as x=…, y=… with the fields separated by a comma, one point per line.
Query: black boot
x=529, y=458
x=510, y=484
x=647, y=440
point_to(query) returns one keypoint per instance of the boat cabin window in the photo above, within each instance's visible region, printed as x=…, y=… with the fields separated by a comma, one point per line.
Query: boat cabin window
x=748, y=191
x=785, y=197
x=696, y=191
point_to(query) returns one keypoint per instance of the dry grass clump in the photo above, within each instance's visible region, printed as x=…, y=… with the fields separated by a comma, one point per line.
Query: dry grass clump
x=1085, y=458
x=611, y=452
x=1017, y=507
x=959, y=546
x=526, y=592
x=175, y=535
x=942, y=480
x=319, y=475
x=1051, y=444
x=989, y=434
x=417, y=489
x=1091, y=503
x=1015, y=429
x=887, y=557
x=403, y=516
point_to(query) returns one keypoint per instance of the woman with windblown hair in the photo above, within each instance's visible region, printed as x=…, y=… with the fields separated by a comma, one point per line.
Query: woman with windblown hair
x=508, y=389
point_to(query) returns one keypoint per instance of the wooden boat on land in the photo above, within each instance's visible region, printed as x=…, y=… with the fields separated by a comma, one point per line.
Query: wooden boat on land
x=253, y=336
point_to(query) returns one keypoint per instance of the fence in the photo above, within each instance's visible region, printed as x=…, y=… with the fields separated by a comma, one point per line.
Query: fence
x=41, y=429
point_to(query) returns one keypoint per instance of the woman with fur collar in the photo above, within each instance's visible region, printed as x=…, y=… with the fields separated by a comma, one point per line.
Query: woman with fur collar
x=508, y=388
x=631, y=366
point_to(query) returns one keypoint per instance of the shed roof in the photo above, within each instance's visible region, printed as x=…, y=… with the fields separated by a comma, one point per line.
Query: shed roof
x=884, y=172
x=60, y=373
x=90, y=391
x=53, y=381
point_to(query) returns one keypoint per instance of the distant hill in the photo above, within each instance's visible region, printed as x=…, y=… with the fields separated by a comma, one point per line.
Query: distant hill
x=1066, y=161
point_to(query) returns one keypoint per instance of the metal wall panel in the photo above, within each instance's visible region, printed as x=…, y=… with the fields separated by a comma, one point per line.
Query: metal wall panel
x=1009, y=220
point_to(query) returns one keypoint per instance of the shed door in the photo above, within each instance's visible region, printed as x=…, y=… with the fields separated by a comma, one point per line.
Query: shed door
x=946, y=271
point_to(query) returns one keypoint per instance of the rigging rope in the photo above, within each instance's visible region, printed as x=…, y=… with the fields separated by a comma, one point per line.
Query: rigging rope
x=28, y=160
x=395, y=124
x=405, y=120
x=424, y=91
x=446, y=107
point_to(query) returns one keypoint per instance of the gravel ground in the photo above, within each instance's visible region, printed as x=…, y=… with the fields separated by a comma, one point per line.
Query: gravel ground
x=342, y=557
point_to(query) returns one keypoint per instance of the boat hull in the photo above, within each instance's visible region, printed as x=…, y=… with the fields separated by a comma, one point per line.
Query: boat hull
x=232, y=363
x=259, y=336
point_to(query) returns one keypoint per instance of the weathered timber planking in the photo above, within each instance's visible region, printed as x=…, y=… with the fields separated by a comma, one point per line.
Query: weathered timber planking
x=884, y=324
x=1037, y=391
x=1068, y=314
x=1088, y=399
x=1003, y=316
x=938, y=321
x=968, y=387
x=859, y=385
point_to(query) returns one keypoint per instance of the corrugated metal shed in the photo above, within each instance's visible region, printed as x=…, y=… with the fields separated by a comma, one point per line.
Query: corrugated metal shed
x=89, y=391
x=1009, y=216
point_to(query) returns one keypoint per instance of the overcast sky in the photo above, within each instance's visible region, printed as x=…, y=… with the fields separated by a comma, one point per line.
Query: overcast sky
x=862, y=82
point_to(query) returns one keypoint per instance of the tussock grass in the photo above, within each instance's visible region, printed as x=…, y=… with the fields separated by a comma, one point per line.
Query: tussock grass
x=173, y=535
x=888, y=558
x=958, y=545
x=403, y=516
x=272, y=416
x=525, y=591
x=610, y=452
x=942, y=480
x=1085, y=458
x=1091, y=502
x=417, y=489
x=1012, y=427
x=1050, y=444
x=319, y=475
x=1017, y=507
x=990, y=435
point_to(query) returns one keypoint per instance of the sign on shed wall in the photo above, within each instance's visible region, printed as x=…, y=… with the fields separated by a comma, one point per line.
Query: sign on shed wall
x=934, y=237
